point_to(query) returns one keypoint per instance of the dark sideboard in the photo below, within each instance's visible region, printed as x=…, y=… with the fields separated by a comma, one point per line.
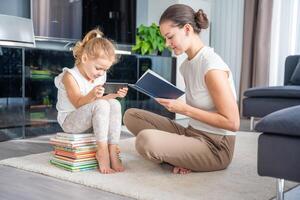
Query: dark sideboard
x=28, y=95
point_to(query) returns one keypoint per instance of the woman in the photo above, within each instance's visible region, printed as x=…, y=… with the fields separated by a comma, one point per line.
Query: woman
x=207, y=144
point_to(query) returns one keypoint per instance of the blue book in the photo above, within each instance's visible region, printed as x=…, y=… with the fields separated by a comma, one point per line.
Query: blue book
x=156, y=86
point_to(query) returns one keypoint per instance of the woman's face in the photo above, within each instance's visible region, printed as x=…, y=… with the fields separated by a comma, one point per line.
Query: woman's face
x=95, y=68
x=176, y=38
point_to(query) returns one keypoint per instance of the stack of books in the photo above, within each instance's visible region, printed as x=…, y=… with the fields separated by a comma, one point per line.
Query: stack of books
x=74, y=152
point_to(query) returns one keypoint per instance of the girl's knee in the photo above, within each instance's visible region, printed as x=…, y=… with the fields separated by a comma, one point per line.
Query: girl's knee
x=102, y=106
x=115, y=105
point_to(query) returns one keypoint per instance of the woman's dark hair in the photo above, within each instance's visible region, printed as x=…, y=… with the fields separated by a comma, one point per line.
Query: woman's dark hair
x=182, y=14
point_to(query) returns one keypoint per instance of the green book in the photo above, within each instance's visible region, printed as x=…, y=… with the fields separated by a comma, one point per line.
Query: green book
x=90, y=148
x=75, y=164
x=74, y=169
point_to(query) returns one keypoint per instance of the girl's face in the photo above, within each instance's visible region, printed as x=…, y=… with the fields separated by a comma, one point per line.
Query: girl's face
x=176, y=38
x=95, y=68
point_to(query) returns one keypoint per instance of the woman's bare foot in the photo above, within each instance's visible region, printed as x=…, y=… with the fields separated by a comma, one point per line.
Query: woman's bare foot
x=102, y=156
x=115, y=161
x=181, y=170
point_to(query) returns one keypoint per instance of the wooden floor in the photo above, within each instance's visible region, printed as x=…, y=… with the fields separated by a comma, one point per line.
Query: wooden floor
x=19, y=184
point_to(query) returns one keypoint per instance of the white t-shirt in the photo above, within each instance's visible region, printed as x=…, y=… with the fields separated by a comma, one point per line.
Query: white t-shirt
x=63, y=105
x=197, y=94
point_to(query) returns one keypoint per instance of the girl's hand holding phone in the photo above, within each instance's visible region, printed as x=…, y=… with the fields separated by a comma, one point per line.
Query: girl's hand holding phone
x=122, y=92
x=97, y=91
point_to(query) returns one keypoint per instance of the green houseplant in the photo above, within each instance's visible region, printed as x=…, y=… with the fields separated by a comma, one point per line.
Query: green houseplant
x=149, y=40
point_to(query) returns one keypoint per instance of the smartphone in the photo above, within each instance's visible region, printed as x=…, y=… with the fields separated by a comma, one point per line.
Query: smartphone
x=113, y=87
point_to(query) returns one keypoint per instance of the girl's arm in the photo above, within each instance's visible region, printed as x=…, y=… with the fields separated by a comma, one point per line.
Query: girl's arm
x=74, y=95
x=227, y=115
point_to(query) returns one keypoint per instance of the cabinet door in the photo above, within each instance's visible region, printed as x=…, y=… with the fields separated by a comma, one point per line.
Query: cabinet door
x=57, y=18
x=11, y=101
x=116, y=18
x=165, y=67
x=41, y=67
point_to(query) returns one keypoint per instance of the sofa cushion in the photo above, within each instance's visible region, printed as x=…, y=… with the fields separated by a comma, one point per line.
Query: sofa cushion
x=262, y=106
x=287, y=91
x=282, y=122
x=295, y=78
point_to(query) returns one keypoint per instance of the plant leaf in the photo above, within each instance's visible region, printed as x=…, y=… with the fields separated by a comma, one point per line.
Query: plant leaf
x=149, y=39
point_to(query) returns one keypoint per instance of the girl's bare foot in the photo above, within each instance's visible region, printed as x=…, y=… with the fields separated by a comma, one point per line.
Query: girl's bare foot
x=181, y=170
x=102, y=156
x=115, y=161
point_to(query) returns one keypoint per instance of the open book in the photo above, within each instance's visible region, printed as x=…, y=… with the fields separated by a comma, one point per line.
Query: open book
x=156, y=86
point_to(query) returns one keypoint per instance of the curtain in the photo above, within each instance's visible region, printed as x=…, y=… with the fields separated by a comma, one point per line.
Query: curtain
x=285, y=37
x=256, y=45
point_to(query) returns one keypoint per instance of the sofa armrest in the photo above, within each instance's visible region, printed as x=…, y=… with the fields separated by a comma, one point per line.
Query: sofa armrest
x=282, y=122
x=288, y=91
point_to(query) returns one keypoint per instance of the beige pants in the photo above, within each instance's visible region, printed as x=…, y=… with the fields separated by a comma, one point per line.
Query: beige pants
x=160, y=139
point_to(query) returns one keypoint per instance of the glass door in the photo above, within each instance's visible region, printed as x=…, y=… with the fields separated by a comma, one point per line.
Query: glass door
x=11, y=101
x=41, y=67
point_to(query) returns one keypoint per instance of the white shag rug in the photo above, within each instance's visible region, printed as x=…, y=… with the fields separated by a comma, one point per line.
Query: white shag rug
x=145, y=180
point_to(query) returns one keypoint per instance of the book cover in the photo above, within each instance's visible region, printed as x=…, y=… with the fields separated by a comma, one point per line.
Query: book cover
x=75, y=155
x=74, y=160
x=83, y=149
x=75, y=136
x=75, y=164
x=156, y=86
x=59, y=140
x=70, y=145
x=74, y=169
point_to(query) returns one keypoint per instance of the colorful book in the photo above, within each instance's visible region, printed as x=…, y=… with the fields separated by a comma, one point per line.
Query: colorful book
x=74, y=169
x=74, y=155
x=74, y=135
x=74, y=152
x=87, y=140
x=74, y=160
x=83, y=149
x=75, y=139
x=75, y=164
x=68, y=144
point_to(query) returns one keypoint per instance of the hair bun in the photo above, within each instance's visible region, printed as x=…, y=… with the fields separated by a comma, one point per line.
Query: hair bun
x=201, y=19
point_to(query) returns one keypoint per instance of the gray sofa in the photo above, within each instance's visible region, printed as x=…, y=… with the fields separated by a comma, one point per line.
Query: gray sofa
x=261, y=101
x=279, y=147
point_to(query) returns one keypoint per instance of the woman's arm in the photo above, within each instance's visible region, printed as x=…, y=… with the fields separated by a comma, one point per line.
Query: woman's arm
x=227, y=115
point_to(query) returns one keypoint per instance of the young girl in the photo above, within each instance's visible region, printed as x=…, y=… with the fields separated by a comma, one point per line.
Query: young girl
x=207, y=144
x=81, y=105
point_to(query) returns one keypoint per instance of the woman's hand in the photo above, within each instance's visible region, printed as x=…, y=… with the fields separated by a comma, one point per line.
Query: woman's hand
x=172, y=105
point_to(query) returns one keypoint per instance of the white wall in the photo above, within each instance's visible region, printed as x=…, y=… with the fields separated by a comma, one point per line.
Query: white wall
x=141, y=12
x=149, y=11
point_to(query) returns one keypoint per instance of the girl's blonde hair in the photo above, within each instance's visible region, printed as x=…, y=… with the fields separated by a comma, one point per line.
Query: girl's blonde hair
x=95, y=45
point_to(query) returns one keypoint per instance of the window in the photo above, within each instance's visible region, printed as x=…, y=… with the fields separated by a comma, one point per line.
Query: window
x=285, y=37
